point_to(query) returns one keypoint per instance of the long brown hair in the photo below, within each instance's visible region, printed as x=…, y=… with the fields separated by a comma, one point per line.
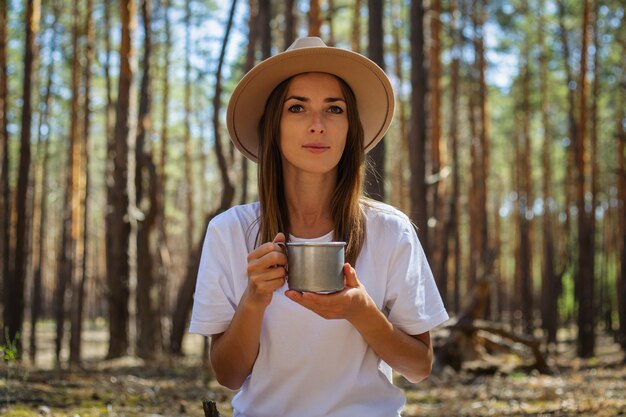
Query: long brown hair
x=346, y=211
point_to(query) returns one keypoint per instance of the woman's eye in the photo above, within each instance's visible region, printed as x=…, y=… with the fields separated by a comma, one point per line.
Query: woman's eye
x=336, y=109
x=296, y=108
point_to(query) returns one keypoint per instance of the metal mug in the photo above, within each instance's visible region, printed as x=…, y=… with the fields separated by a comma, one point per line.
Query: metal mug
x=315, y=266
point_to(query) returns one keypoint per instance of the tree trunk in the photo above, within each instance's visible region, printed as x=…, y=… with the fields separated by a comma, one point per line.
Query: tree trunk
x=375, y=174
x=417, y=129
x=452, y=220
x=188, y=164
x=41, y=198
x=525, y=197
x=473, y=140
x=148, y=324
x=5, y=196
x=330, y=13
x=75, y=190
x=566, y=253
x=185, y=294
x=480, y=257
x=265, y=18
x=14, y=285
x=164, y=263
x=620, y=137
x=290, y=22
x=550, y=288
x=253, y=36
x=438, y=190
x=486, y=256
x=355, y=34
x=118, y=232
x=398, y=157
x=315, y=22
x=586, y=318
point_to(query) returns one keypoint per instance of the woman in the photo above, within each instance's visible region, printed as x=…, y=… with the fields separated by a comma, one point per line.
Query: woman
x=308, y=116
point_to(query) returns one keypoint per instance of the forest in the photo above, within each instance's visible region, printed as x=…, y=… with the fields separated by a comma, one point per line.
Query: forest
x=507, y=151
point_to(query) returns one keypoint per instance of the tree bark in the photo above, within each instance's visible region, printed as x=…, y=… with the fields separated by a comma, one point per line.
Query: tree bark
x=188, y=164
x=253, y=37
x=265, y=29
x=315, y=22
x=398, y=157
x=417, y=129
x=118, y=232
x=620, y=137
x=290, y=23
x=40, y=219
x=355, y=33
x=566, y=253
x=550, y=287
x=164, y=263
x=452, y=220
x=75, y=191
x=438, y=190
x=5, y=195
x=15, y=282
x=525, y=197
x=148, y=324
x=585, y=278
x=375, y=174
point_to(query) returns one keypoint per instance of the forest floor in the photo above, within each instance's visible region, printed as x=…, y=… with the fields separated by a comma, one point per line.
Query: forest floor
x=127, y=387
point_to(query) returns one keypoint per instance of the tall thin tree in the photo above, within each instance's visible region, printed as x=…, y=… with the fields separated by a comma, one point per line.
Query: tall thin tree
x=585, y=273
x=375, y=174
x=5, y=206
x=75, y=177
x=148, y=323
x=550, y=287
x=164, y=256
x=118, y=230
x=41, y=198
x=15, y=281
x=417, y=129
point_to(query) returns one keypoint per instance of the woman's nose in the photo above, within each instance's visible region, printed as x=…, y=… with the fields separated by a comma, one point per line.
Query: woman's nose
x=317, y=124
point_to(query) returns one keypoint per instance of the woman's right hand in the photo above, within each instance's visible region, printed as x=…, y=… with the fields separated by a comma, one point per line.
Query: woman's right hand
x=266, y=271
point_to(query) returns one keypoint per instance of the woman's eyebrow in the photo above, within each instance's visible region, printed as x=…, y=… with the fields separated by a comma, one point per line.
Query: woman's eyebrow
x=306, y=99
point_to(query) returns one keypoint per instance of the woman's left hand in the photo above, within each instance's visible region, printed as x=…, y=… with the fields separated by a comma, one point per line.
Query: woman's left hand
x=345, y=304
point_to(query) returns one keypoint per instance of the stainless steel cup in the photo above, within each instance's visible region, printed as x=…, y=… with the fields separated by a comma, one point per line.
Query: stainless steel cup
x=315, y=266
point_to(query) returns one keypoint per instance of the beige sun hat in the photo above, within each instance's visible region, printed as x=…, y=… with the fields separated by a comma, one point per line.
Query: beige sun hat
x=371, y=87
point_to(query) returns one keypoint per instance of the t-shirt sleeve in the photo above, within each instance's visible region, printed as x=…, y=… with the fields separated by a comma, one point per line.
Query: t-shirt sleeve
x=413, y=301
x=214, y=299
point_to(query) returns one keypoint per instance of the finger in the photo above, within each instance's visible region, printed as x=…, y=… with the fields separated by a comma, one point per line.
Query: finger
x=266, y=256
x=280, y=237
x=302, y=299
x=270, y=285
x=350, y=277
x=261, y=251
x=268, y=274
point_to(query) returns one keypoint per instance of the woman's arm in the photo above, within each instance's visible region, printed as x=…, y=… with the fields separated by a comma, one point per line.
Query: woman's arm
x=234, y=352
x=409, y=355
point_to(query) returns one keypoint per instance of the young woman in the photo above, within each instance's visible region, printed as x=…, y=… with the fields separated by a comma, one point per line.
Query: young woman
x=308, y=116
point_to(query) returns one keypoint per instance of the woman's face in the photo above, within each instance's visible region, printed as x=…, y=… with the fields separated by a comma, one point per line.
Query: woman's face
x=313, y=124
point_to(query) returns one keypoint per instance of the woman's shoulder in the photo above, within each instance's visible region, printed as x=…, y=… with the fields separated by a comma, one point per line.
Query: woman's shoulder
x=386, y=216
x=242, y=215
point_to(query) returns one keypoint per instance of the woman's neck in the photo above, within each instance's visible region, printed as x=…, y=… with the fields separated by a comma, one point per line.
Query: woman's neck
x=309, y=204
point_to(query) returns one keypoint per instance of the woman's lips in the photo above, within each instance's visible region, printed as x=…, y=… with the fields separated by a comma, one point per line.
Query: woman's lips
x=316, y=147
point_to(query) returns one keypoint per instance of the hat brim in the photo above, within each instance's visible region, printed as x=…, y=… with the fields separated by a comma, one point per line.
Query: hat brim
x=371, y=87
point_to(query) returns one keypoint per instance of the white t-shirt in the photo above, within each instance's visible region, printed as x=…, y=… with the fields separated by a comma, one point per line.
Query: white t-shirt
x=307, y=365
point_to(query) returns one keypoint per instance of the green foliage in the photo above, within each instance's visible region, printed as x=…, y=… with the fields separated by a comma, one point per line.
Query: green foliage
x=8, y=350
